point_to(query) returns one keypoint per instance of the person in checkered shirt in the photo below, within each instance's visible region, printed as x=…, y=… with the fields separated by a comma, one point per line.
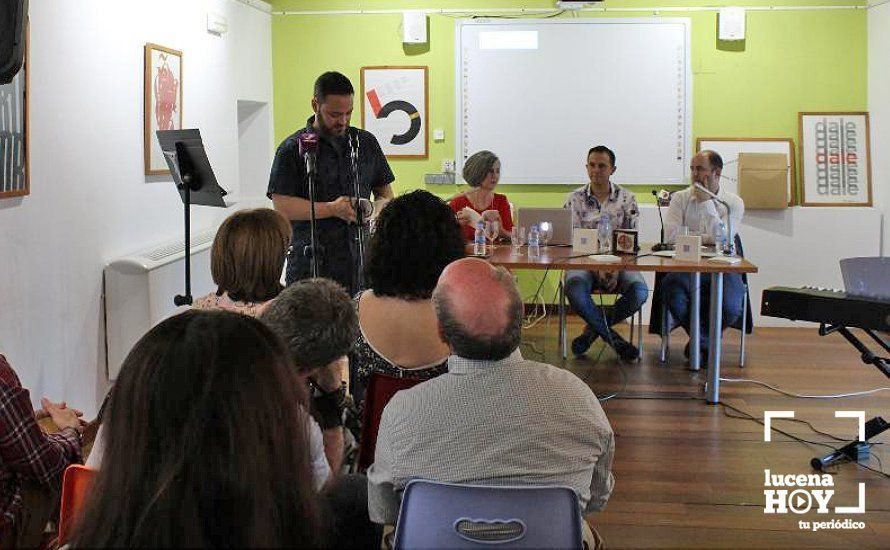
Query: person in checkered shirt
x=31, y=461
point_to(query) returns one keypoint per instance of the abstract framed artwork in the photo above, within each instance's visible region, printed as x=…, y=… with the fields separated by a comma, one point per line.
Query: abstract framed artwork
x=15, y=169
x=163, y=102
x=395, y=108
x=835, y=159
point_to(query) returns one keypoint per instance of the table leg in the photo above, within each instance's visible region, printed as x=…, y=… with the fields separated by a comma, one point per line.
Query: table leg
x=716, y=340
x=563, y=347
x=694, y=322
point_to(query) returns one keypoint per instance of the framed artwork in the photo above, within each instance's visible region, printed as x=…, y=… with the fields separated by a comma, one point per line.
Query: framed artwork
x=395, y=108
x=15, y=168
x=729, y=149
x=163, y=102
x=835, y=158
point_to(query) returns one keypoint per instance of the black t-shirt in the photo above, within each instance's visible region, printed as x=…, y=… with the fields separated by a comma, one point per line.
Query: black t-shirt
x=334, y=179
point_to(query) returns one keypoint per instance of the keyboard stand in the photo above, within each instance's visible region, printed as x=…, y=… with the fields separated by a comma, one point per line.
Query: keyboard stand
x=867, y=356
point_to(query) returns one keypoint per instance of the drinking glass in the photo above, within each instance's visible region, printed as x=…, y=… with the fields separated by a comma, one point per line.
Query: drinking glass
x=517, y=238
x=546, y=232
x=492, y=230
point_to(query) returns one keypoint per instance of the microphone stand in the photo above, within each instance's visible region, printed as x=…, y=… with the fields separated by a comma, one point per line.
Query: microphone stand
x=189, y=182
x=661, y=244
x=312, y=250
x=359, y=212
x=731, y=237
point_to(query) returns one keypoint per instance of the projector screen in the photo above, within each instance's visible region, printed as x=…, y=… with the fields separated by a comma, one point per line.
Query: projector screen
x=540, y=93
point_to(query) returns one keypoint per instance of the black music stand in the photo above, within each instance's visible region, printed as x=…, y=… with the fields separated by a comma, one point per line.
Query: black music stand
x=194, y=178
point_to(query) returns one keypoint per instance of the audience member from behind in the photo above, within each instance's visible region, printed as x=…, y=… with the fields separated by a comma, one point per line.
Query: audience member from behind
x=416, y=237
x=31, y=461
x=317, y=322
x=247, y=260
x=494, y=417
x=482, y=171
x=206, y=443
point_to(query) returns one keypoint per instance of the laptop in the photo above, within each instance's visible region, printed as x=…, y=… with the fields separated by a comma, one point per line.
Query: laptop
x=867, y=277
x=560, y=219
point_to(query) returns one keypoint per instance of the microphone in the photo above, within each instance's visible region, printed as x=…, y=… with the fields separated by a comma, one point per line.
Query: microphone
x=658, y=200
x=308, y=147
x=855, y=450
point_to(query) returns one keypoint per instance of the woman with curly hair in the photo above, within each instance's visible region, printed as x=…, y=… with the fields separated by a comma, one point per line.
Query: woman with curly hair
x=482, y=171
x=417, y=235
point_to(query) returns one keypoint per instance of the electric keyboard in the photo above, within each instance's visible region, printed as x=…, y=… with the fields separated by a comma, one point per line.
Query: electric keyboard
x=822, y=305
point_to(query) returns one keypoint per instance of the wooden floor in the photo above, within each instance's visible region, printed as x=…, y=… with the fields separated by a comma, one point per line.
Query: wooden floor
x=689, y=475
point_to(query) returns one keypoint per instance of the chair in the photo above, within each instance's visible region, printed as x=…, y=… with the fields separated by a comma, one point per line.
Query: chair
x=448, y=515
x=636, y=320
x=661, y=322
x=76, y=484
x=380, y=390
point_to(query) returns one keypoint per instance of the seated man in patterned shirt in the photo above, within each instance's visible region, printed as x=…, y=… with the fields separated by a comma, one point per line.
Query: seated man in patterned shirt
x=494, y=418
x=31, y=461
x=589, y=204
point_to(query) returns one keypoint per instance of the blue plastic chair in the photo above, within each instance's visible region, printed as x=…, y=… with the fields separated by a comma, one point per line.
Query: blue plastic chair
x=449, y=515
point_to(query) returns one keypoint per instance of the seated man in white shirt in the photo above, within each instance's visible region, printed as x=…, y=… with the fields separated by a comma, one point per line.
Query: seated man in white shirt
x=494, y=418
x=699, y=213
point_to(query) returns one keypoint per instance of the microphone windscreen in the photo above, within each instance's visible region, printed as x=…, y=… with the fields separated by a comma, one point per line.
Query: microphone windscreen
x=308, y=143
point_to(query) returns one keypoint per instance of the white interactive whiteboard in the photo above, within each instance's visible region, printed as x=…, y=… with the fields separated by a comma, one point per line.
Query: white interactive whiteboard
x=540, y=93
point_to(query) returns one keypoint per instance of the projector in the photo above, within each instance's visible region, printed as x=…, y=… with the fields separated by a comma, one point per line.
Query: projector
x=575, y=4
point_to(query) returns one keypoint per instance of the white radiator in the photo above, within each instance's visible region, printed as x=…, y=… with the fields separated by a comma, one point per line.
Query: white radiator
x=139, y=290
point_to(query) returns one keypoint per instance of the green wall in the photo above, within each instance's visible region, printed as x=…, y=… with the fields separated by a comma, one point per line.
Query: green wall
x=801, y=60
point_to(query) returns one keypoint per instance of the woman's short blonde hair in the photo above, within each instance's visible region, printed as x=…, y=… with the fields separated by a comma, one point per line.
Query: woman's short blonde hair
x=248, y=254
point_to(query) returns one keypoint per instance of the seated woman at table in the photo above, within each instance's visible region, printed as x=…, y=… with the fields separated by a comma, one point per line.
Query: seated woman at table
x=417, y=235
x=482, y=171
x=247, y=260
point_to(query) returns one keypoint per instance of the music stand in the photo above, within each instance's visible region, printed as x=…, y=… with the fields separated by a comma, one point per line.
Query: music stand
x=194, y=178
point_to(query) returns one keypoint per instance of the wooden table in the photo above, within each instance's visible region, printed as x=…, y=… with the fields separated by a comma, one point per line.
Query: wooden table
x=563, y=259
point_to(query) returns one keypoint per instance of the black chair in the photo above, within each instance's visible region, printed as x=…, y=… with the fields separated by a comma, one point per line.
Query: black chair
x=661, y=322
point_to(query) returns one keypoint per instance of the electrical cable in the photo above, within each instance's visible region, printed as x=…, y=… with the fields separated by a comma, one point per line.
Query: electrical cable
x=799, y=396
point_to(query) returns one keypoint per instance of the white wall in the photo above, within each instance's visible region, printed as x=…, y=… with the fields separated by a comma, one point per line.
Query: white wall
x=879, y=109
x=90, y=201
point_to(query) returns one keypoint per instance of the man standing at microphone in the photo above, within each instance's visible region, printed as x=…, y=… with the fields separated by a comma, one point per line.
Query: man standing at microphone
x=697, y=212
x=337, y=234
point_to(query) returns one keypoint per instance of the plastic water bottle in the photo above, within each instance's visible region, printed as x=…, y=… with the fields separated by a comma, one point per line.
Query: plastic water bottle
x=604, y=233
x=720, y=238
x=479, y=240
x=534, y=242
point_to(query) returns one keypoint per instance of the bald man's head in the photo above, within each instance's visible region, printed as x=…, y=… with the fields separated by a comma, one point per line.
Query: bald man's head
x=479, y=310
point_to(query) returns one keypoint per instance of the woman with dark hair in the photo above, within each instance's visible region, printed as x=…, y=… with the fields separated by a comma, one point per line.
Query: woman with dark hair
x=482, y=171
x=247, y=260
x=417, y=235
x=206, y=443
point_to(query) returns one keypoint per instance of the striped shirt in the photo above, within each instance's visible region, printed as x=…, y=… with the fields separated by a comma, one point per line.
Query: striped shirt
x=508, y=422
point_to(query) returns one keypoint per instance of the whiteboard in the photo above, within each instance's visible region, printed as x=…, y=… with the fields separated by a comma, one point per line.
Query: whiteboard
x=729, y=149
x=540, y=93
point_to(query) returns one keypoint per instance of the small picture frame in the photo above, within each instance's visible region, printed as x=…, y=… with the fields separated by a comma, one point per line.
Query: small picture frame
x=688, y=248
x=626, y=241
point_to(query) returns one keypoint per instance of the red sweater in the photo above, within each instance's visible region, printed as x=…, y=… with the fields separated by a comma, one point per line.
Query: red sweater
x=499, y=203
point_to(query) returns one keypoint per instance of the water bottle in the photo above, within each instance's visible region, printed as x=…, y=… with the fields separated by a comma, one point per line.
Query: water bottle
x=604, y=233
x=479, y=240
x=720, y=238
x=534, y=242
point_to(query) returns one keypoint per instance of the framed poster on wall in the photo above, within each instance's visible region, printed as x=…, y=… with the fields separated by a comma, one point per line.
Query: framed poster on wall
x=395, y=109
x=835, y=159
x=15, y=170
x=163, y=102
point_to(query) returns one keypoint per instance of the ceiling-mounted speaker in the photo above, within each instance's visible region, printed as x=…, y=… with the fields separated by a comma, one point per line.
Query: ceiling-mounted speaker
x=12, y=38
